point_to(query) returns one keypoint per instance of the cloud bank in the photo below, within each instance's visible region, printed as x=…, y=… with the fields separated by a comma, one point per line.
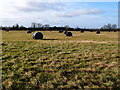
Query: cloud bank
x=41, y=6
x=81, y=12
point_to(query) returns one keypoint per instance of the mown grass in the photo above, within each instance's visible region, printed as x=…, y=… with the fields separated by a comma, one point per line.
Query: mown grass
x=83, y=61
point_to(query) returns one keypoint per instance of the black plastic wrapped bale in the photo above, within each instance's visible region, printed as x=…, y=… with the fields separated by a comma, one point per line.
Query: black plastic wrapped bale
x=32, y=30
x=91, y=30
x=60, y=31
x=65, y=32
x=29, y=31
x=37, y=35
x=68, y=34
x=82, y=31
x=7, y=30
x=97, y=32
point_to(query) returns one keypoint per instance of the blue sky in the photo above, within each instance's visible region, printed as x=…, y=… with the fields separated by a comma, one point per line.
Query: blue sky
x=74, y=14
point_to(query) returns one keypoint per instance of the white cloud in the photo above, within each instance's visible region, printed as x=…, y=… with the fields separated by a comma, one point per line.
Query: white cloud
x=8, y=8
x=41, y=6
x=80, y=12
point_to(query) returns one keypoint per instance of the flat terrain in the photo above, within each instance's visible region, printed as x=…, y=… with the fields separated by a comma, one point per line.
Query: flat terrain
x=85, y=60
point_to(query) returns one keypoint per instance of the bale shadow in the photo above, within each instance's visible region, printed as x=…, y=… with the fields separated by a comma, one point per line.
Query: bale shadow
x=50, y=39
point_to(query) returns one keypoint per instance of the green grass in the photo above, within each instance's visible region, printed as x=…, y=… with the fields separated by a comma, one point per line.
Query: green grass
x=83, y=61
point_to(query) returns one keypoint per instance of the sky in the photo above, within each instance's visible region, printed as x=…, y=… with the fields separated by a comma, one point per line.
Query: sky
x=77, y=13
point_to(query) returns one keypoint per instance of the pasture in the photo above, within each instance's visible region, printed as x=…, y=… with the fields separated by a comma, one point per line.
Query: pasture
x=85, y=60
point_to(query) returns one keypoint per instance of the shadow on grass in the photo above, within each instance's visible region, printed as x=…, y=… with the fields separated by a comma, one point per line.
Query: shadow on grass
x=47, y=39
x=50, y=39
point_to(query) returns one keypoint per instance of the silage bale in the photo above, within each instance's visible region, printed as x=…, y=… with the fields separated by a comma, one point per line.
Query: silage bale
x=65, y=32
x=29, y=31
x=37, y=35
x=32, y=30
x=60, y=31
x=91, y=30
x=68, y=34
x=7, y=30
x=97, y=32
x=82, y=31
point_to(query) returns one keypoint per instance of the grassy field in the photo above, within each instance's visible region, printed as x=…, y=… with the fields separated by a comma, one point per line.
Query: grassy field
x=85, y=60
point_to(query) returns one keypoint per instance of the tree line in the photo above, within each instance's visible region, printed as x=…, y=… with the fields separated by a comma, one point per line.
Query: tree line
x=47, y=27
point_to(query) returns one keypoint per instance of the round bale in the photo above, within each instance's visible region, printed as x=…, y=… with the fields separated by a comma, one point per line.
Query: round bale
x=29, y=31
x=37, y=35
x=97, y=32
x=68, y=34
x=7, y=30
x=82, y=31
x=32, y=30
x=65, y=32
x=60, y=31
x=91, y=30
